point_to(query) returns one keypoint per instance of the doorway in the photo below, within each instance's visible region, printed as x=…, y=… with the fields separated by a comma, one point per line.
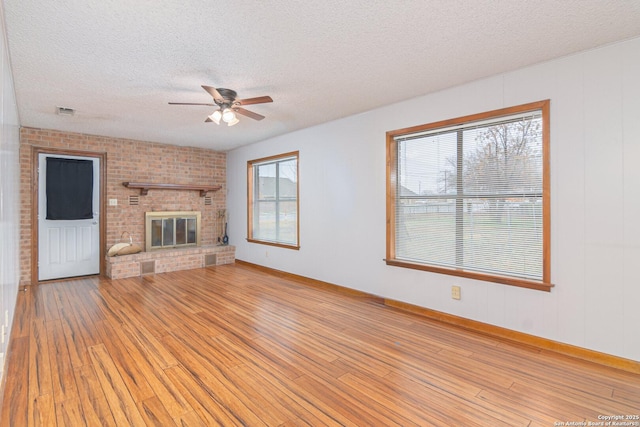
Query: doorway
x=69, y=210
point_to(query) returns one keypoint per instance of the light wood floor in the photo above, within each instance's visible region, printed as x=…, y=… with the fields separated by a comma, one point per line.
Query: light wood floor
x=232, y=345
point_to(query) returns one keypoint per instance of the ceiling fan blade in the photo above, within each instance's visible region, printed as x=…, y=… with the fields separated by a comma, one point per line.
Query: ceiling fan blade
x=257, y=100
x=214, y=93
x=251, y=114
x=190, y=103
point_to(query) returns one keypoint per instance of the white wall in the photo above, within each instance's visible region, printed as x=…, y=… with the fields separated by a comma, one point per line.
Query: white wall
x=9, y=197
x=595, y=210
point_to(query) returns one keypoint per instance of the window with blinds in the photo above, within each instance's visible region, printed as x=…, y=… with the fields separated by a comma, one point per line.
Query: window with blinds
x=470, y=196
x=273, y=200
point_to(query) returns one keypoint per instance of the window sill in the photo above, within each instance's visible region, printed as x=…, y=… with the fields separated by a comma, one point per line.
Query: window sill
x=279, y=245
x=511, y=281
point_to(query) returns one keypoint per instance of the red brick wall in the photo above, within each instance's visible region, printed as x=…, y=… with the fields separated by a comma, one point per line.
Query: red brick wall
x=129, y=160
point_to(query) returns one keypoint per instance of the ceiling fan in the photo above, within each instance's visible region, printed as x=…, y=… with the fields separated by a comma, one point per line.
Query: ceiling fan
x=228, y=105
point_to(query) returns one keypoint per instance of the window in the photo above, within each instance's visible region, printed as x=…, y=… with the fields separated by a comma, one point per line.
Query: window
x=273, y=200
x=470, y=196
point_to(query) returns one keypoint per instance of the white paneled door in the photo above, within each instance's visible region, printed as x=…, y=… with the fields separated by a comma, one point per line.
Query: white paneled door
x=68, y=247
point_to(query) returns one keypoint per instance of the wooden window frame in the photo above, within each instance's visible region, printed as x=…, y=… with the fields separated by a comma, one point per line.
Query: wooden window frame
x=251, y=199
x=545, y=284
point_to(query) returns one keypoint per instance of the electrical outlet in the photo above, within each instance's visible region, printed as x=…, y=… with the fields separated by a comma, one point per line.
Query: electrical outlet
x=113, y=202
x=455, y=292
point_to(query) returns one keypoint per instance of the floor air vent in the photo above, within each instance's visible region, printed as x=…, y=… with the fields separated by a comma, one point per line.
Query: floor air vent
x=147, y=267
x=210, y=259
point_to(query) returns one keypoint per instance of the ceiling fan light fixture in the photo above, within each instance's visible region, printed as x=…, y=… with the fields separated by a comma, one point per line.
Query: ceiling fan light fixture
x=216, y=116
x=228, y=115
x=233, y=122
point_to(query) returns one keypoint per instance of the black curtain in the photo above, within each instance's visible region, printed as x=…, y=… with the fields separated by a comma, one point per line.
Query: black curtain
x=69, y=189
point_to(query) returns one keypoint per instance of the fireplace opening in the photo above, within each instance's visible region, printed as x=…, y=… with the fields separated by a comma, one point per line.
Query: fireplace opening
x=172, y=229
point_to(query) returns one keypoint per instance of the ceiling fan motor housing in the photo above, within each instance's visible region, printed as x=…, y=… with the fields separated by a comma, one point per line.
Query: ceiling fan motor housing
x=228, y=95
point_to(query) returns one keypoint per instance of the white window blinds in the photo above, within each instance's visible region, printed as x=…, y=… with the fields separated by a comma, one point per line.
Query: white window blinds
x=470, y=197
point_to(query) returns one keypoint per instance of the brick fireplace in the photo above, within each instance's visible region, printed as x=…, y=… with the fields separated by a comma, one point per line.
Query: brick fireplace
x=172, y=243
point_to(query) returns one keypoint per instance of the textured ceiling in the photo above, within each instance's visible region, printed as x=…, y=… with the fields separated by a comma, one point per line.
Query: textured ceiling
x=119, y=62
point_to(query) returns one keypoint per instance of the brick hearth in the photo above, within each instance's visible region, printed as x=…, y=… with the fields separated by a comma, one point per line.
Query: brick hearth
x=165, y=260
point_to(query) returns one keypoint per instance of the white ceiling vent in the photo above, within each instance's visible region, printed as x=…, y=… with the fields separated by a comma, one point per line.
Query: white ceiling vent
x=64, y=111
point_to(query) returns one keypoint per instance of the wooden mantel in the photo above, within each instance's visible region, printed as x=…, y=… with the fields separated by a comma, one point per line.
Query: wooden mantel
x=146, y=186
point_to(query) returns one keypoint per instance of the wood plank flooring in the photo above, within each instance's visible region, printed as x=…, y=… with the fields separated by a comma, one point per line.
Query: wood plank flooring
x=232, y=345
